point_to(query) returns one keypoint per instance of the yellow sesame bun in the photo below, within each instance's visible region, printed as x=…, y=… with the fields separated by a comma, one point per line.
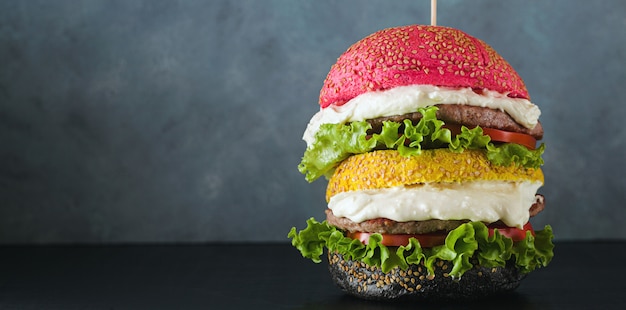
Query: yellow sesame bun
x=387, y=168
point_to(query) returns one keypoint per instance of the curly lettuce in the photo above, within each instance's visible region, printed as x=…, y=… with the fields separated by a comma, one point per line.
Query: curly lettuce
x=336, y=142
x=466, y=241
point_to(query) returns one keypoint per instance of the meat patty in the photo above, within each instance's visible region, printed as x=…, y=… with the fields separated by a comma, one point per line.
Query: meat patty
x=466, y=115
x=538, y=206
x=387, y=226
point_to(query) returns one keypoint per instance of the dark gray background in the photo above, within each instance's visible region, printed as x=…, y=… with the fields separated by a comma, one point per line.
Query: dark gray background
x=181, y=121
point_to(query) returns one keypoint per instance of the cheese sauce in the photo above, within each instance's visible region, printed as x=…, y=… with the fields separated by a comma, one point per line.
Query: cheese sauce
x=486, y=201
x=407, y=99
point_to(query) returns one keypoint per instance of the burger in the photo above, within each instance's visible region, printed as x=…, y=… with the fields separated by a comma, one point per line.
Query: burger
x=429, y=142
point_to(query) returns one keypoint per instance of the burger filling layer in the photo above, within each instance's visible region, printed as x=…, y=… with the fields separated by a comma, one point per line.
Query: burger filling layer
x=484, y=201
x=406, y=99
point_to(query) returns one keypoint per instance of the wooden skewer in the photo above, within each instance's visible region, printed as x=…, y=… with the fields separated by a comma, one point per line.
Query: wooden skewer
x=433, y=12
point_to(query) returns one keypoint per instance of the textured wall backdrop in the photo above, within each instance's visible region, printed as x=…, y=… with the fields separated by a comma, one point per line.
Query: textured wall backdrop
x=180, y=121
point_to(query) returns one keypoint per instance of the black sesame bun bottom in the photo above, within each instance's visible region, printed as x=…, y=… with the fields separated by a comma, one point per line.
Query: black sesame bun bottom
x=361, y=280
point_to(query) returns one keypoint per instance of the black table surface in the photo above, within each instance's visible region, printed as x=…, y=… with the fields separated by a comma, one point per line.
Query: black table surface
x=582, y=275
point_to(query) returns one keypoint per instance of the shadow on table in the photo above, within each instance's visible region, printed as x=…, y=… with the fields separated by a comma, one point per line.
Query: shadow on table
x=509, y=301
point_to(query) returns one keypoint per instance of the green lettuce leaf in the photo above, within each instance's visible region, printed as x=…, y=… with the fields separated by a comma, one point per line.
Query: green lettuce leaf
x=458, y=248
x=336, y=142
x=469, y=139
x=466, y=241
x=427, y=133
x=495, y=250
x=333, y=144
x=312, y=240
x=512, y=153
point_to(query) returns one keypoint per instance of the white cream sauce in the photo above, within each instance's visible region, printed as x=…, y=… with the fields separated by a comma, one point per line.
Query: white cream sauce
x=486, y=201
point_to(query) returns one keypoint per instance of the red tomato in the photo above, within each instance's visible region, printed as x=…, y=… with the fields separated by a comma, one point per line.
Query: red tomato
x=434, y=239
x=426, y=240
x=500, y=136
x=512, y=232
x=511, y=137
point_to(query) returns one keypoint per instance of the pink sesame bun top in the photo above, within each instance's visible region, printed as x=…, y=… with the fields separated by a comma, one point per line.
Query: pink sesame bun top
x=417, y=54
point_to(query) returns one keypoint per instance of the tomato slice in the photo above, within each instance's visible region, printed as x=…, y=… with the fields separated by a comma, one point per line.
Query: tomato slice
x=514, y=233
x=501, y=135
x=511, y=137
x=434, y=239
x=426, y=240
